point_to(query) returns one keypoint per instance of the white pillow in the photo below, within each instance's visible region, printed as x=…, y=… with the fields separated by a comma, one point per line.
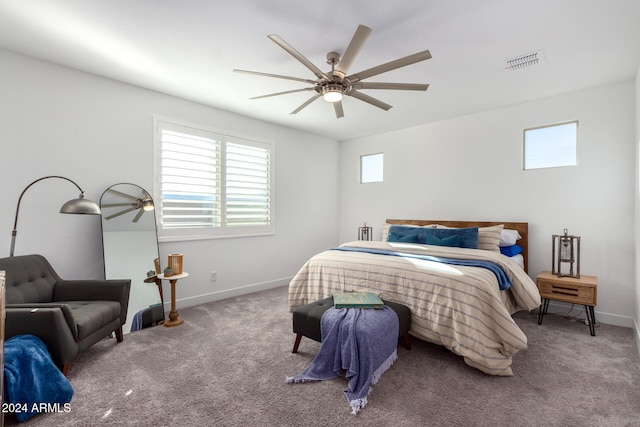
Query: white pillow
x=519, y=259
x=509, y=237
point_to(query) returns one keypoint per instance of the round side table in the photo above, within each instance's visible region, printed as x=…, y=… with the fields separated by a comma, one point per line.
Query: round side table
x=174, y=317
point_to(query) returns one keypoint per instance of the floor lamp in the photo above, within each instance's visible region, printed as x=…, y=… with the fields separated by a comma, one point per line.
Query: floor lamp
x=74, y=206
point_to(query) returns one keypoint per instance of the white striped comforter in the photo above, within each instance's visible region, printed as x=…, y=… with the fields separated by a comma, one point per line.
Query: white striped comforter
x=459, y=307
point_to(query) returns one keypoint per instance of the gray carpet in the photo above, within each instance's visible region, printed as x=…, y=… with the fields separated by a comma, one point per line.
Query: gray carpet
x=227, y=364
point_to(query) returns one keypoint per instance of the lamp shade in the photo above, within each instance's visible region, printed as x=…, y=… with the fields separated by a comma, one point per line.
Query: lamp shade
x=80, y=206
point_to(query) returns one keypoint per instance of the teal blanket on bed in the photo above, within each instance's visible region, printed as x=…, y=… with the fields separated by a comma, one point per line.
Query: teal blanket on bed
x=503, y=280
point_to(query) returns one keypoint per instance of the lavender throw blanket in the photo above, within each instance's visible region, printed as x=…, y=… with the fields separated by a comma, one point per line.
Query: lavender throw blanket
x=361, y=341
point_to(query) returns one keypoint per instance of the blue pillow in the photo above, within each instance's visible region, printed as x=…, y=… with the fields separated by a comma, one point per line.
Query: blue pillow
x=451, y=241
x=403, y=234
x=466, y=237
x=409, y=238
x=511, y=250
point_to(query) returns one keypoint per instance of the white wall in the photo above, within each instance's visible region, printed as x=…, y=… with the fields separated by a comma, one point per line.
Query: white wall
x=98, y=132
x=637, y=212
x=470, y=168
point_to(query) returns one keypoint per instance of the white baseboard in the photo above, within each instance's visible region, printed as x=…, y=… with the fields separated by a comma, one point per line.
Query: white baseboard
x=227, y=293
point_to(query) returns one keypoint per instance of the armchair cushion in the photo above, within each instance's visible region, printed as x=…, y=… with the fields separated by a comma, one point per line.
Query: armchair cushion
x=90, y=316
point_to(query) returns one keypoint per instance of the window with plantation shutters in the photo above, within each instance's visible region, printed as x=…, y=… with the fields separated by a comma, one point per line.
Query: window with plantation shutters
x=209, y=184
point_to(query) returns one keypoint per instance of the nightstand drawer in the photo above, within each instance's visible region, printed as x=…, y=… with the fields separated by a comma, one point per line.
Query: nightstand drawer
x=567, y=292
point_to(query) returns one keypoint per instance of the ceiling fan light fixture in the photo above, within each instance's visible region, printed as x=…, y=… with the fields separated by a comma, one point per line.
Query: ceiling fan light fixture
x=332, y=93
x=332, y=96
x=147, y=205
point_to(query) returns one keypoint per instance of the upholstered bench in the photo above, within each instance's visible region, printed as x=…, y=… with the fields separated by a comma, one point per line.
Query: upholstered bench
x=306, y=321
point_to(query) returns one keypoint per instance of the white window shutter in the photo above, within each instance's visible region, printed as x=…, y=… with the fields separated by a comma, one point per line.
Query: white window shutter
x=190, y=181
x=248, y=195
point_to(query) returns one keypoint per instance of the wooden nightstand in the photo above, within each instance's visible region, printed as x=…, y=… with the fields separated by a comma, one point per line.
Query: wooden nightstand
x=582, y=291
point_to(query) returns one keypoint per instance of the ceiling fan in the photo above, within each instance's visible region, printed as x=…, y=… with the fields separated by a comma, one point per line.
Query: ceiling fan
x=333, y=85
x=143, y=204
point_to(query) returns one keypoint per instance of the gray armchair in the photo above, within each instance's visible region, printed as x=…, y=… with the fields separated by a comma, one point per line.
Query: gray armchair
x=68, y=315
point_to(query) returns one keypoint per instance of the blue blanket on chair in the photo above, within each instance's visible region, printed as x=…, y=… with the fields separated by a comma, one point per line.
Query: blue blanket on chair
x=32, y=383
x=362, y=342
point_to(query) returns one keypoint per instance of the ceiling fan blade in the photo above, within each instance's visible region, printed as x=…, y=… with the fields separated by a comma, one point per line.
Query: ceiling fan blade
x=284, y=93
x=277, y=76
x=355, y=45
x=398, y=63
x=392, y=86
x=116, y=205
x=337, y=107
x=369, y=99
x=286, y=46
x=138, y=215
x=307, y=102
x=120, y=213
x=121, y=194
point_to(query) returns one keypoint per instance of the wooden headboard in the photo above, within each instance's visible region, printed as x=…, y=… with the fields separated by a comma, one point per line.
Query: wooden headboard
x=522, y=227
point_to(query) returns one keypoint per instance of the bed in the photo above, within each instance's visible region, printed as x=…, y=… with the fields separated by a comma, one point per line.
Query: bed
x=454, y=293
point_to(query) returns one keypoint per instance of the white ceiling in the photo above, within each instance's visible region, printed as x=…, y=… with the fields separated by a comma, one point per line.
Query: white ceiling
x=188, y=48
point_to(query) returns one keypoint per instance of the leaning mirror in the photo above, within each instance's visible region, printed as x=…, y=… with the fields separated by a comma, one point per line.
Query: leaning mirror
x=130, y=246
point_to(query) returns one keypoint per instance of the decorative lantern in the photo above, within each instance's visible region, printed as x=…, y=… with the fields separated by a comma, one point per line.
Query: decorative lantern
x=365, y=233
x=175, y=263
x=565, y=252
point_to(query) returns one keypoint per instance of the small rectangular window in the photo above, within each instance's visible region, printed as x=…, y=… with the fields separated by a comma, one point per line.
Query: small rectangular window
x=371, y=166
x=551, y=146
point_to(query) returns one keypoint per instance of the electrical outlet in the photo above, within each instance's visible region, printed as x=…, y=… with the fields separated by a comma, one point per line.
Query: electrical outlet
x=214, y=276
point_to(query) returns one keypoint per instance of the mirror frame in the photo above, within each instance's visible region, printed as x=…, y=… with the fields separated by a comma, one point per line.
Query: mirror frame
x=127, y=210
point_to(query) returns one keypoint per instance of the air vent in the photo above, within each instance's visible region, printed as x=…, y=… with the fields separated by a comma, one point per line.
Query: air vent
x=524, y=61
